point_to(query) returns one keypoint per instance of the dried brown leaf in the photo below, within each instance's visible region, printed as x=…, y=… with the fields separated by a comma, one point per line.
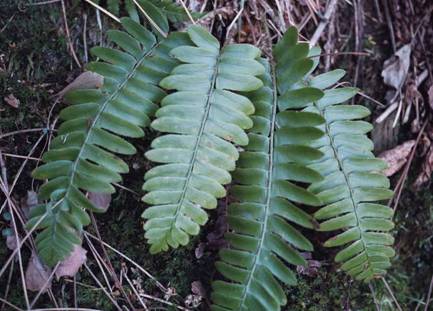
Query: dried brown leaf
x=100, y=200
x=197, y=288
x=37, y=275
x=396, y=157
x=395, y=69
x=12, y=101
x=427, y=169
x=312, y=267
x=29, y=202
x=86, y=80
x=11, y=242
x=199, y=251
x=194, y=300
x=71, y=265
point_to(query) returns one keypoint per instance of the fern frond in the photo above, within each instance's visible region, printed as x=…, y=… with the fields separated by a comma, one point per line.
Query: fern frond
x=202, y=119
x=269, y=179
x=352, y=183
x=82, y=156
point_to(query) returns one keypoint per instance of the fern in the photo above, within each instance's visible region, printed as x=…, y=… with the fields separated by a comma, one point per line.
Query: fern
x=352, y=182
x=268, y=178
x=202, y=119
x=82, y=156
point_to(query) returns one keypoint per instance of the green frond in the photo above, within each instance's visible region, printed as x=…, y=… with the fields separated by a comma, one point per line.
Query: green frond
x=269, y=181
x=82, y=156
x=352, y=183
x=201, y=121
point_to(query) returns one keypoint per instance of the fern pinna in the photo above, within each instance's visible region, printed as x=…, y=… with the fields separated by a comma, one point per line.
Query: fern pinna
x=201, y=121
x=269, y=181
x=352, y=183
x=82, y=156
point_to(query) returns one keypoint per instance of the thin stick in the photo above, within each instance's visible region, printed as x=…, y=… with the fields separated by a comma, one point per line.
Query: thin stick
x=374, y=296
x=5, y=189
x=98, y=261
x=389, y=23
x=107, y=263
x=322, y=25
x=163, y=301
x=342, y=53
x=128, y=259
x=8, y=261
x=100, y=8
x=10, y=155
x=11, y=271
x=102, y=287
x=66, y=309
x=229, y=28
x=371, y=99
x=86, y=55
x=151, y=21
x=427, y=303
x=68, y=35
x=22, y=131
x=187, y=12
x=44, y=286
x=391, y=293
x=135, y=292
x=11, y=305
x=399, y=187
x=43, y=2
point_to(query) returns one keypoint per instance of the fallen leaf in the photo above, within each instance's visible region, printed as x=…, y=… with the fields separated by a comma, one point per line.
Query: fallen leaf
x=11, y=242
x=197, y=288
x=427, y=169
x=86, y=80
x=71, y=265
x=29, y=202
x=396, y=68
x=37, y=275
x=12, y=101
x=312, y=267
x=100, y=200
x=199, y=251
x=397, y=157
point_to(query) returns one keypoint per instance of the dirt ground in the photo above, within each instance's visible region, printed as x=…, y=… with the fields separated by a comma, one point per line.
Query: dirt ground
x=36, y=62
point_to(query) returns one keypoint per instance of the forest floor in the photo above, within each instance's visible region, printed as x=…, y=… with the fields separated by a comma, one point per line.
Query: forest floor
x=358, y=36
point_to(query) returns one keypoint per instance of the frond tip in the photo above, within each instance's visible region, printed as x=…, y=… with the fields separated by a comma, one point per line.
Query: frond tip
x=201, y=121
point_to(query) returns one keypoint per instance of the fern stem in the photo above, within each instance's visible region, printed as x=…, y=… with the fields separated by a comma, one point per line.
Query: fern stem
x=103, y=10
x=151, y=21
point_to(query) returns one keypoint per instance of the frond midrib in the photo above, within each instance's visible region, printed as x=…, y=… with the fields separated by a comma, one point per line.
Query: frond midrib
x=347, y=183
x=197, y=142
x=101, y=110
